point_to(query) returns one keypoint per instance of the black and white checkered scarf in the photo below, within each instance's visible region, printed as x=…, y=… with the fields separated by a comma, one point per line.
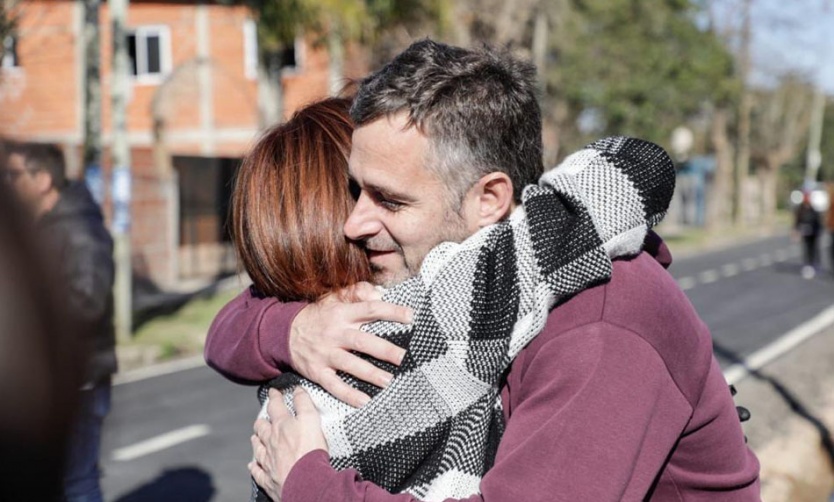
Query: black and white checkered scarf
x=434, y=431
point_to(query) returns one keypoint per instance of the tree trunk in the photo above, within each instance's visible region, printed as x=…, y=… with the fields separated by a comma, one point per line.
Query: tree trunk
x=336, y=62
x=92, y=91
x=767, y=181
x=270, y=91
x=719, y=199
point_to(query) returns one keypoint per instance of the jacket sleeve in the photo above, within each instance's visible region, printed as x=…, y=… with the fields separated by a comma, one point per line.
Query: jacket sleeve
x=89, y=272
x=248, y=341
x=584, y=412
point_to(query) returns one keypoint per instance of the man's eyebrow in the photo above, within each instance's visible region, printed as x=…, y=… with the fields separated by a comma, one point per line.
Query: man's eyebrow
x=388, y=193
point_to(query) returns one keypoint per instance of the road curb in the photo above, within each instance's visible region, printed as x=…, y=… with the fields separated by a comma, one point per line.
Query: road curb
x=781, y=346
x=158, y=369
x=792, y=403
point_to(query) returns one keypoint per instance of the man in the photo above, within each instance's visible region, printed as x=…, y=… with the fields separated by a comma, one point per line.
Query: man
x=79, y=249
x=617, y=398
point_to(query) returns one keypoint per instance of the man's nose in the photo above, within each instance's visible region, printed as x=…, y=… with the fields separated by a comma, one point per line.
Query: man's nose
x=363, y=221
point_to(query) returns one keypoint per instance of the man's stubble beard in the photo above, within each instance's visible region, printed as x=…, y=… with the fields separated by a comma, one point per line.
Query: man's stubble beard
x=454, y=230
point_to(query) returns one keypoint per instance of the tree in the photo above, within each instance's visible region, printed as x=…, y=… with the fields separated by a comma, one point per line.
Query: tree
x=334, y=23
x=827, y=145
x=8, y=18
x=637, y=68
x=278, y=25
x=780, y=119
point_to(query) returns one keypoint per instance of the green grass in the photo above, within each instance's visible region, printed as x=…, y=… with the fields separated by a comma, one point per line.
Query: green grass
x=176, y=335
x=687, y=240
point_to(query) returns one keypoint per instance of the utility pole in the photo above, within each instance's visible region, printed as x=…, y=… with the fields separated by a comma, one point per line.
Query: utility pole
x=539, y=47
x=92, y=100
x=813, y=157
x=120, y=156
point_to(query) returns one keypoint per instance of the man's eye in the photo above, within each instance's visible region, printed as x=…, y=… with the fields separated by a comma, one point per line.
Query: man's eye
x=354, y=189
x=390, y=205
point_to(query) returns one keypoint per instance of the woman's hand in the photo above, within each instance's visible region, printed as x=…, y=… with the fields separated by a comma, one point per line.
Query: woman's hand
x=280, y=442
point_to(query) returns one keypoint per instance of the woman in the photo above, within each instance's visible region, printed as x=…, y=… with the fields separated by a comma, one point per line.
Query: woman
x=290, y=201
x=287, y=219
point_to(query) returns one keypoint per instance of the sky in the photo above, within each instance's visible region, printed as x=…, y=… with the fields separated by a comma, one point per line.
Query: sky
x=788, y=35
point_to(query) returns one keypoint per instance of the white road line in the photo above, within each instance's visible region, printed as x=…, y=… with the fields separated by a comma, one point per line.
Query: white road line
x=782, y=255
x=729, y=270
x=708, y=276
x=161, y=442
x=687, y=283
x=158, y=370
x=782, y=345
x=749, y=264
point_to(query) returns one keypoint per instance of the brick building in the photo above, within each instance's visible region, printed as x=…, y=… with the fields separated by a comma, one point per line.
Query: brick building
x=192, y=113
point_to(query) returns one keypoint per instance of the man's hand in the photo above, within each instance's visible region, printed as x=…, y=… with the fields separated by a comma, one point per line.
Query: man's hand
x=324, y=333
x=280, y=442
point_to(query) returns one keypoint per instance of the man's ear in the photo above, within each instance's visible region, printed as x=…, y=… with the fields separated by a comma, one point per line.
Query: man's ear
x=494, y=198
x=43, y=181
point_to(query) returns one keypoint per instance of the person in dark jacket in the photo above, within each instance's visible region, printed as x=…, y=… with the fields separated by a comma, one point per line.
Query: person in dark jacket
x=808, y=226
x=78, y=251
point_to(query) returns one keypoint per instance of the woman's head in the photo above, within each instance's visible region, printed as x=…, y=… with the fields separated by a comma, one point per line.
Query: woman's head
x=290, y=201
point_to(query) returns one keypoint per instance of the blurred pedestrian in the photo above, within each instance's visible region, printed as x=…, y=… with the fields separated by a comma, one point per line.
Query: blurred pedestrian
x=807, y=228
x=38, y=368
x=70, y=230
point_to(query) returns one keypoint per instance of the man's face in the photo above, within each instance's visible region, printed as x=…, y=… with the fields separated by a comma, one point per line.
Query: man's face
x=29, y=185
x=403, y=209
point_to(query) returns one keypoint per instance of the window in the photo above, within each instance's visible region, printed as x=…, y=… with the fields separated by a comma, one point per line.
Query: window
x=9, y=59
x=289, y=56
x=149, y=50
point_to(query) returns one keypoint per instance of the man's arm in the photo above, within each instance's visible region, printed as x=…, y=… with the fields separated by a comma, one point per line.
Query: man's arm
x=88, y=275
x=248, y=341
x=254, y=338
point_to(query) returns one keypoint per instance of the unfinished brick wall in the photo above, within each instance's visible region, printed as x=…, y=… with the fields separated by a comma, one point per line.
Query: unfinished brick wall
x=42, y=101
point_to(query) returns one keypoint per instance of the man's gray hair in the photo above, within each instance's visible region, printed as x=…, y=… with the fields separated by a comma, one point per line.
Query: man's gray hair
x=478, y=108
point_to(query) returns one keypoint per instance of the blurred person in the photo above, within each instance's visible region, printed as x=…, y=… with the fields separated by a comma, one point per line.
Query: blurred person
x=70, y=228
x=807, y=228
x=39, y=370
x=829, y=224
x=632, y=343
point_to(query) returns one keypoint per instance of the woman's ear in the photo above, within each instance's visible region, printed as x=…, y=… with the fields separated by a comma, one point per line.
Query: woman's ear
x=495, y=198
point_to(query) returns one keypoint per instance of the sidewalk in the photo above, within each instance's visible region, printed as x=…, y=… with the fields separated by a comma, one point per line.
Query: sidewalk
x=792, y=405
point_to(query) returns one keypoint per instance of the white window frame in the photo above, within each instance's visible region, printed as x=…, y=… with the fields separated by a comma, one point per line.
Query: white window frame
x=250, y=52
x=10, y=59
x=141, y=33
x=250, y=49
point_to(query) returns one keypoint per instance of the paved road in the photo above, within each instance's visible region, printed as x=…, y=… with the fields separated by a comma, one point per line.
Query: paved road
x=184, y=437
x=750, y=295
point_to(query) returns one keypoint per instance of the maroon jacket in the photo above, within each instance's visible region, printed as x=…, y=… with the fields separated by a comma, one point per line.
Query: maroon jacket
x=619, y=398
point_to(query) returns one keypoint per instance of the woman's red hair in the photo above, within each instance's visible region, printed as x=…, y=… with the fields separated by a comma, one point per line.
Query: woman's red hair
x=290, y=201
